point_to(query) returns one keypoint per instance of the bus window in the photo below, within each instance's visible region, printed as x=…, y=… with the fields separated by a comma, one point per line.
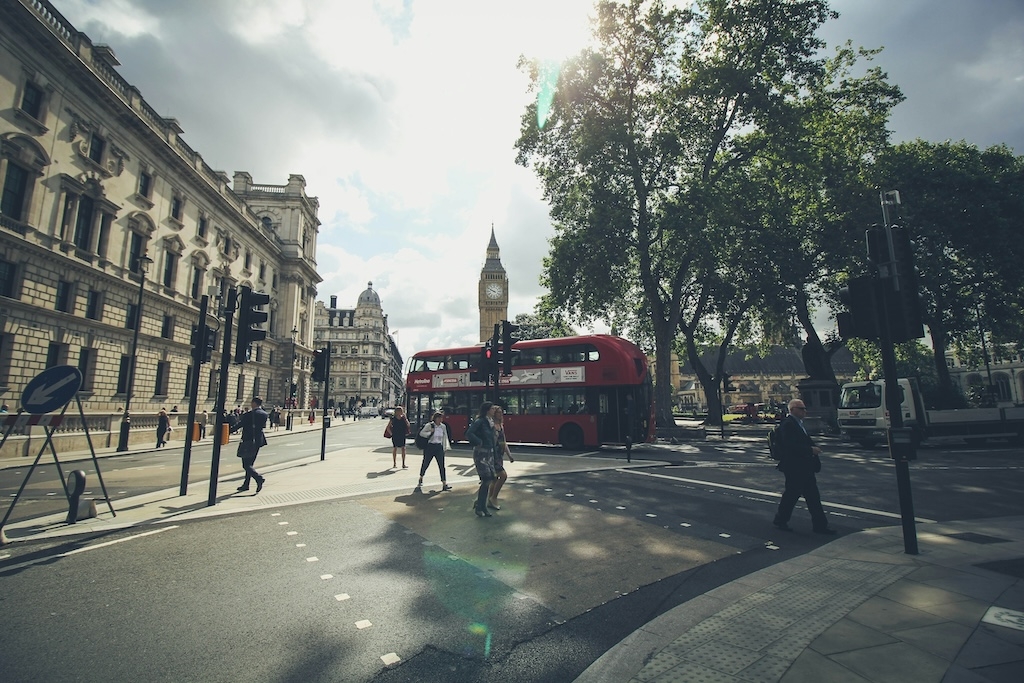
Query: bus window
x=592, y=353
x=567, y=401
x=533, y=357
x=511, y=402
x=602, y=403
x=460, y=363
x=533, y=401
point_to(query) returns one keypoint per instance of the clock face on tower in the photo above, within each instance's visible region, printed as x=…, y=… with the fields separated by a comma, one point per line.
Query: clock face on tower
x=493, y=291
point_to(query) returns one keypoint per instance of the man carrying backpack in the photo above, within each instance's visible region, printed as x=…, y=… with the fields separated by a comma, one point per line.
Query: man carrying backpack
x=799, y=461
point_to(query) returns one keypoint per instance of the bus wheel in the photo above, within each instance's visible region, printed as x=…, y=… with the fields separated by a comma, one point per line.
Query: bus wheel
x=571, y=437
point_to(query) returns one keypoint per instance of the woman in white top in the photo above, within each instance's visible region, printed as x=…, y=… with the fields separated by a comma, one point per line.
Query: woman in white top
x=436, y=434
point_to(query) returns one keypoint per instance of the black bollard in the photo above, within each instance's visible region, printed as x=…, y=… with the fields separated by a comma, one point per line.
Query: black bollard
x=76, y=485
x=629, y=449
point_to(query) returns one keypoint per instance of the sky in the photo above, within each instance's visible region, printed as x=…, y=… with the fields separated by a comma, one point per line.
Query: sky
x=402, y=116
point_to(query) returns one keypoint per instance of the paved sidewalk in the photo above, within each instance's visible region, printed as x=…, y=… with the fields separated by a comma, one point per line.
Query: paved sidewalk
x=854, y=610
x=857, y=609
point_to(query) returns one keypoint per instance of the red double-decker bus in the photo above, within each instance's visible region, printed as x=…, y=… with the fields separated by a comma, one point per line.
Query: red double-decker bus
x=575, y=391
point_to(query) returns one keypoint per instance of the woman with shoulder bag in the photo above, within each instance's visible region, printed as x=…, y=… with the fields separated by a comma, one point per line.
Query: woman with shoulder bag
x=481, y=435
x=398, y=429
x=436, y=434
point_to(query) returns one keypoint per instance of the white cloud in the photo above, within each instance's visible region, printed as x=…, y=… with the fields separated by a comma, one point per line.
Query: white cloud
x=402, y=116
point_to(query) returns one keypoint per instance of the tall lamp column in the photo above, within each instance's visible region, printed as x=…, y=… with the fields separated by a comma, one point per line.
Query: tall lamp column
x=126, y=420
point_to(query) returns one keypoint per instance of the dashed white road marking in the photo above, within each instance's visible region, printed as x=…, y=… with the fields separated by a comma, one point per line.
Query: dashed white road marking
x=312, y=559
x=772, y=494
x=325, y=577
x=342, y=596
x=364, y=623
x=390, y=659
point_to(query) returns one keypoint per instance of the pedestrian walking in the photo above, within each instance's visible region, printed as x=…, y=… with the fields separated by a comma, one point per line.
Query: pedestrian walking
x=252, y=423
x=501, y=452
x=481, y=435
x=398, y=431
x=312, y=416
x=201, y=419
x=163, y=426
x=800, y=461
x=438, y=443
x=275, y=418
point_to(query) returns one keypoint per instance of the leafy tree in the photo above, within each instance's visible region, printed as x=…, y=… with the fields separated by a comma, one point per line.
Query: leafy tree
x=544, y=323
x=649, y=133
x=964, y=207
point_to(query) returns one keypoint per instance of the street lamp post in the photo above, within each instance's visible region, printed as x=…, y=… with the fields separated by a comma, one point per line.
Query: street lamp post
x=292, y=388
x=126, y=420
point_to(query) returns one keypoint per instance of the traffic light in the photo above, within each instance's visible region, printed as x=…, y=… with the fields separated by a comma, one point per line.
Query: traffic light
x=507, y=353
x=204, y=340
x=248, y=316
x=906, y=311
x=321, y=366
x=727, y=384
x=861, y=319
x=485, y=364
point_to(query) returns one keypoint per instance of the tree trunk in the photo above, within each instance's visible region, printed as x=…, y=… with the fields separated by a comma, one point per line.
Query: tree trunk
x=947, y=393
x=663, y=389
x=817, y=360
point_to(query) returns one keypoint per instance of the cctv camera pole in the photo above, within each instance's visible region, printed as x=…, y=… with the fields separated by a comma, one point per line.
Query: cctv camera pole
x=222, y=390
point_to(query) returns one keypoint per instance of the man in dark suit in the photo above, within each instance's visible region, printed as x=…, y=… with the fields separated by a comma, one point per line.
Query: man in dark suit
x=799, y=463
x=252, y=424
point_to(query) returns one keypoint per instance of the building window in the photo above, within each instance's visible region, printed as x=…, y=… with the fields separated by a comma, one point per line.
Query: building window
x=188, y=381
x=56, y=354
x=145, y=185
x=163, y=374
x=86, y=365
x=177, y=207
x=201, y=229
x=167, y=328
x=197, y=282
x=170, y=268
x=248, y=259
x=256, y=386
x=130, y=316
x=7, y=273
x=94, y=305
x=211, y=390
x=32, y=101
x=274, y=281
x=83, y=223
x=240, y=388
x=263, y=271
x=12, y=203
x=122, y=374
x=136, y=248
x=65, y=296
x=96, y=147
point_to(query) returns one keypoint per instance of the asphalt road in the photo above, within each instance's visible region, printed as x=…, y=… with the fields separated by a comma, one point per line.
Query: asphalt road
x=333, y=591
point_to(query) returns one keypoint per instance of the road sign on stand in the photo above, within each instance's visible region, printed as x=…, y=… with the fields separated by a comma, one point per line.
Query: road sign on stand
x=51, y=389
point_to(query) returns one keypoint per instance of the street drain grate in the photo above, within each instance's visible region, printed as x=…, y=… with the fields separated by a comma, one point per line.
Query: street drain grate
x=1014, y=568
x=978, y=538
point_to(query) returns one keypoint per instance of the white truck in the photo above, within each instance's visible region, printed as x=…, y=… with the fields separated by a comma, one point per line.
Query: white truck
x=864, y=419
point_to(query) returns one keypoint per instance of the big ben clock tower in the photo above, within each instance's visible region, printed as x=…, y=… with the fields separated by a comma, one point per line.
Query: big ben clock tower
x=493, y=291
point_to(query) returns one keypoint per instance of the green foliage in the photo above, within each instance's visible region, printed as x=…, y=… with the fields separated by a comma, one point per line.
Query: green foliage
x=544, y=323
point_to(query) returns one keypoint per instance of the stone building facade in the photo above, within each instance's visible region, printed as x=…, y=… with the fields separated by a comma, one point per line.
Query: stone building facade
x=95, y=185
x=366, y=366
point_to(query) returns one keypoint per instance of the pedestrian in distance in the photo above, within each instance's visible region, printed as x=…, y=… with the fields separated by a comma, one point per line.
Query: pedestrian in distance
x=438, y=443
x=398, y=431
x=163, y=426
x=800, y=461
x=481, y=435
x=501, y=452
x=252, y=423
x=201, y=419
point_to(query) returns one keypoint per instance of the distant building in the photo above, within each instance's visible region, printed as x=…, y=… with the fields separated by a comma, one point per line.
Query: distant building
x=366, y=366
x=95, y=185
x=758, y=380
